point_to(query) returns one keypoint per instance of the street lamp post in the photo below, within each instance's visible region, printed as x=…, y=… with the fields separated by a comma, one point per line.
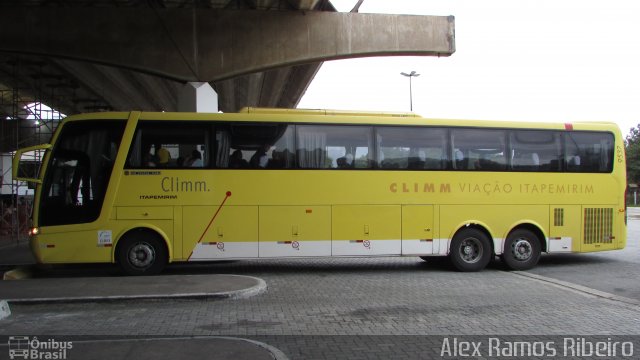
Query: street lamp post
x=410, y=75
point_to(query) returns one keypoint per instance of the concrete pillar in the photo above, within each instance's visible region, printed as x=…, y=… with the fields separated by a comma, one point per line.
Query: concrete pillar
x=198, y=97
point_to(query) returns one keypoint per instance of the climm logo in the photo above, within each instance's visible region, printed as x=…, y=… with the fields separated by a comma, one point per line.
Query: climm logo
x=175, y=184
x=419, y=187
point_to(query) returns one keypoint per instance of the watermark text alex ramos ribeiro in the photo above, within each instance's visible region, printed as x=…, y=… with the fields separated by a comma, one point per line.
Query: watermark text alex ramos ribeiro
x=560, y=347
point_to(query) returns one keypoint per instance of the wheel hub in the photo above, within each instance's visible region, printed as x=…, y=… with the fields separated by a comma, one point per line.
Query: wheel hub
x=471, y=250
x=141, y=255
x=522, y=249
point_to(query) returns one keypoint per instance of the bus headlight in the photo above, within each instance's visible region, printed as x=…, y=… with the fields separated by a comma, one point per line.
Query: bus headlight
x=34, y=231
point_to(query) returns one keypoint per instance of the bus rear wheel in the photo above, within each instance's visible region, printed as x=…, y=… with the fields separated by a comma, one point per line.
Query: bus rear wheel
x=141, y=252
x=521, y=250
x=470, y=250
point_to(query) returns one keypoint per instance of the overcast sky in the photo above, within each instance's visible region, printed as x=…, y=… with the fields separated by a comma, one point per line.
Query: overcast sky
x=542, y=60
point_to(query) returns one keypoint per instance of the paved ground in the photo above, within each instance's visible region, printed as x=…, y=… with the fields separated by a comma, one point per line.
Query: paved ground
x=617, y=272
x=367, y=308
x=9, y=255
x=112, y=288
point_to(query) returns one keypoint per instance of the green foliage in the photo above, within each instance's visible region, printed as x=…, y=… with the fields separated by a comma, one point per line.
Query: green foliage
x=632, y=148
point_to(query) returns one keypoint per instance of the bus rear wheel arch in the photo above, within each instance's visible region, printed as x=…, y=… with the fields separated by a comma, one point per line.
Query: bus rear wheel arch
x=522, y=249
x=141, y=252
x=471, y=249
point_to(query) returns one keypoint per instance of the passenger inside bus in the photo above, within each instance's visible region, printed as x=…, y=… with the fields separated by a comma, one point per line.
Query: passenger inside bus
x=278, y=160
x=195, y=160
x=236, y=161
x=162, y=155
x=260, y=159
x=345, y=162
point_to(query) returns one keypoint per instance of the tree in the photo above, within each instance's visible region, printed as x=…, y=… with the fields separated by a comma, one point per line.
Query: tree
x=632, y=148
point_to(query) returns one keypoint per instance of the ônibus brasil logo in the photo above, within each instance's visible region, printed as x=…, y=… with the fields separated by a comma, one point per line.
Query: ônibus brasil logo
x=25, y=347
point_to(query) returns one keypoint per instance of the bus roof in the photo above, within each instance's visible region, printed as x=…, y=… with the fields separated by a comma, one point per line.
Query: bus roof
x=251, y=114
x=255, y=110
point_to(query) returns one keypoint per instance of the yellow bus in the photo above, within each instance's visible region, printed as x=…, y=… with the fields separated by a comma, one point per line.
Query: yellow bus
x=143, y=189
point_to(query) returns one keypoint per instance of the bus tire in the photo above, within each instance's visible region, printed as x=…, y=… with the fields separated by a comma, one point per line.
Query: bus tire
x=141, y=252
x=470, y=250
x=521, y=250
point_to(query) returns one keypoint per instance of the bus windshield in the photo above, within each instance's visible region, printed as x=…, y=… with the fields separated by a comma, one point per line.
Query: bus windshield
x=79, y=171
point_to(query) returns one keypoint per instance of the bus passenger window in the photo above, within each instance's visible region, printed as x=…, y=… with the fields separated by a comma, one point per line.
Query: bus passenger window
x=535, y=150
x=334, y=147
x=589, y=152
x=170, y=145
x=483, y=149
x=255, y=146
x=414, y=148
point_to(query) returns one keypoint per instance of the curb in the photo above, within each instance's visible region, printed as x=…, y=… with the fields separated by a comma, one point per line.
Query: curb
x=19, y=273
x=5, y=311
x=257, y=289
x=275, y=352
x=579, y=288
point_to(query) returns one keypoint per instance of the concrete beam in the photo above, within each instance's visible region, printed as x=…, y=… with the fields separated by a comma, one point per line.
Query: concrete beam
x=212, y=45
x=198, y=97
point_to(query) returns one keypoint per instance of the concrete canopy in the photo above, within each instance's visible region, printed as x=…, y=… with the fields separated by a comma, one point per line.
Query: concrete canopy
x=124, y=55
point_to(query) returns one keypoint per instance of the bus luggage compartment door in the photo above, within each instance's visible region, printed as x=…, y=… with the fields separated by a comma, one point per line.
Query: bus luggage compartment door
x=418, y=230
x=366, y=230
x=295, y=231
x=231, y=234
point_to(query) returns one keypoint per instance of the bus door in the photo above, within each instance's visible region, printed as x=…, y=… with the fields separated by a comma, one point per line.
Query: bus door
x=73, y=191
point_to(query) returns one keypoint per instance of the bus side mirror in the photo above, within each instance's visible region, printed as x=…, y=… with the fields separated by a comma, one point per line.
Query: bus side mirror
x=15, y=171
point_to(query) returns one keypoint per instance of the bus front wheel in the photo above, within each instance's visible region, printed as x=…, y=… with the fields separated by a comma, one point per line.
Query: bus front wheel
x=470, y=250
x=140, y=252
x=521, y=250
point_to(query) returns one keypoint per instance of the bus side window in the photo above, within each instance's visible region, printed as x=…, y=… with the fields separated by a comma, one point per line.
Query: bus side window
x=320, y=146
x=414, y=148
x=170, y=144
x=536, y=150
x=484, y=149
x=589, y=152
x=256, y=146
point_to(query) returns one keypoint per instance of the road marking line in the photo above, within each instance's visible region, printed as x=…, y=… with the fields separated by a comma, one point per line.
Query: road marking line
x=578, y=288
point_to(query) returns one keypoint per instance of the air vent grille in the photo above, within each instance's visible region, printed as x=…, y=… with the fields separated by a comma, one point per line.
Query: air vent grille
x=598, y=225
x=558, y=217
